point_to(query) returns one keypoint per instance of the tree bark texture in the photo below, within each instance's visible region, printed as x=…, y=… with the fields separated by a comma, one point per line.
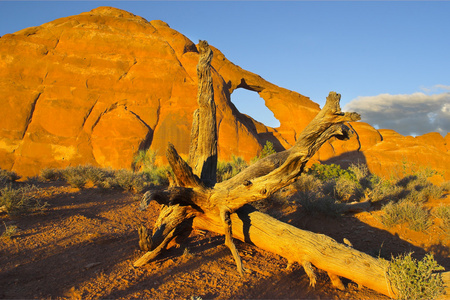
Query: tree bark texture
x=203, y=146
x=195, y=200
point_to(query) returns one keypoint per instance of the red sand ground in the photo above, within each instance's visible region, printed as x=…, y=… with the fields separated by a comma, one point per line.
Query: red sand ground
x=84, y=245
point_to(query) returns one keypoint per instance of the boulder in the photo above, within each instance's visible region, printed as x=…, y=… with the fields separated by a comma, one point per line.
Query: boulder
x=97, y=87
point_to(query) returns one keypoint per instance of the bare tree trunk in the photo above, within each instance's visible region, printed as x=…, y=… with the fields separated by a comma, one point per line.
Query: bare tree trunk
x=198, y=201
x=203, y=146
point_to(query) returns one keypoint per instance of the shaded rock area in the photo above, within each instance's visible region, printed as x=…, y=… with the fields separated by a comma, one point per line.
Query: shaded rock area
x=97, y=87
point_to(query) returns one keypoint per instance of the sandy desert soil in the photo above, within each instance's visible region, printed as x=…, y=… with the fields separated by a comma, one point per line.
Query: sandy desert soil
x=85, y=242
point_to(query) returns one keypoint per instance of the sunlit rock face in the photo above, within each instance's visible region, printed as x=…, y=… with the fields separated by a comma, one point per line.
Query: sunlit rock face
x=96, y=88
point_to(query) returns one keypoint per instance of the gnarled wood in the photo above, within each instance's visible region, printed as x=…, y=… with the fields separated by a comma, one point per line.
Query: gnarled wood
x=303, y=247
x=203, y=146
x=194, y=200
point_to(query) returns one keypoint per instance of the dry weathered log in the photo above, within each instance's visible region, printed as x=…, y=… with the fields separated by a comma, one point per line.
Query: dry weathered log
x=304, y=247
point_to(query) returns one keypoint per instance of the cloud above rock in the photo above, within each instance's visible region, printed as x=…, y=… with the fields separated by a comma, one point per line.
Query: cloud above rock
x=408, y=114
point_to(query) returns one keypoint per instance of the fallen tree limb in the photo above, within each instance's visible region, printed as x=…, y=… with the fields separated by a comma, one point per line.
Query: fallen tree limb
x=297, y=245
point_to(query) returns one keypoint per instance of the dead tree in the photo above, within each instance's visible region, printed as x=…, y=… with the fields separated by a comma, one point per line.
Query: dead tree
x=195, y=200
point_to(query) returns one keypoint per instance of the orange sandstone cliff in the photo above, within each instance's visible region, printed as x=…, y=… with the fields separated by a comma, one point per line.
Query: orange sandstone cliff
x=96, y=88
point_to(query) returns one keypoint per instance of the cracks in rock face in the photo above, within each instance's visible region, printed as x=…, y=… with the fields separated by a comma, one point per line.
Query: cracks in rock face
x=357, y=135
x=30, y=115
x=89, y=112
x=147, y=142
x=126, y=72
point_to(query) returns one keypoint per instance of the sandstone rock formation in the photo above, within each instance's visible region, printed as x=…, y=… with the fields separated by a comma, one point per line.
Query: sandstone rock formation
x=96, y=88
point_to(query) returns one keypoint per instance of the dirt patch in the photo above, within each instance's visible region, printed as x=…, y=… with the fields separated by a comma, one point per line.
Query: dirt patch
x=85, y=242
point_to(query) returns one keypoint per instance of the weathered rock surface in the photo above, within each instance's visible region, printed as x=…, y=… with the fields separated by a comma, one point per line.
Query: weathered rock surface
x=96, y=88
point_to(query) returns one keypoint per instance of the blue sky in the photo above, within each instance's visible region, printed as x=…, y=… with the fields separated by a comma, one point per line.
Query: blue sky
x=382, y=56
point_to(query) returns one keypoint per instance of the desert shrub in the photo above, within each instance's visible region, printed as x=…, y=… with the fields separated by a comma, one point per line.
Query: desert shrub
x=412, y=213
x=327, y=172
x=7, y=177
x=341, y=184
x=418, y=189
x=19, y=201
x=345, y=188
x=106, y=178
x=51, y=174
x=144, y=162
x=75, y=176
x=158, y=176
x=10, y=230
x=129, y=180
x=416, y=279
x=95, y=175
x=360, y=171
x=229, y=169
x=308, y=182
x=312, y=199
x=383, y=190
x=443, y=212
x=266, y=151
x=446, y=186
x=318, y=203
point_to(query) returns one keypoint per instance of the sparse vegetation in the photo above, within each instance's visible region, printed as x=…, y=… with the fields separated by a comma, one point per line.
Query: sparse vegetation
x=416, y=279
x=443, y=212
x=406, y=211
x=145, y=162
x=104, y=178
x=50, y=174
x=19, y=201
x=129, y=180
x=311, y=197
x=10, y=231
x=325, y=187
x=227, y=170
x=266, y=151
x=7, y=177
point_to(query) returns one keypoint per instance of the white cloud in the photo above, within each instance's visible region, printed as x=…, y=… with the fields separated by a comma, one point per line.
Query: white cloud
x=413, y=114
x=436, y=88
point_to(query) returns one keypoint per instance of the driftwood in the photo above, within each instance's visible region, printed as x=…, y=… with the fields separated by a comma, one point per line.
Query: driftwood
x=195, y=200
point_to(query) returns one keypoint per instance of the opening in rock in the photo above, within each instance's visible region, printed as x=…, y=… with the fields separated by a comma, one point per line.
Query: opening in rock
x=249, y=103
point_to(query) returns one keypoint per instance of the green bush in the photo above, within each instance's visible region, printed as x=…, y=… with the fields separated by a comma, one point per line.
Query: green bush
x=312, y=198
x=51, y=174
x=10, y=231
x=307, y=182
x=406, y=211
x=158, y=176
x=144, y=162
x=383, y=190
x=104, y=178
x=317, y=203
x=266, y=151
x=19, y=201
x=7, y=177
x=130, y=181
x=75, y=176
x=416, y=279
x=330, y=172
x=443, y=212
x=227, y=170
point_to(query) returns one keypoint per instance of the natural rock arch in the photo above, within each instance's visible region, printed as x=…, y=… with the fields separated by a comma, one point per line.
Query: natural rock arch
x=241, y=95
